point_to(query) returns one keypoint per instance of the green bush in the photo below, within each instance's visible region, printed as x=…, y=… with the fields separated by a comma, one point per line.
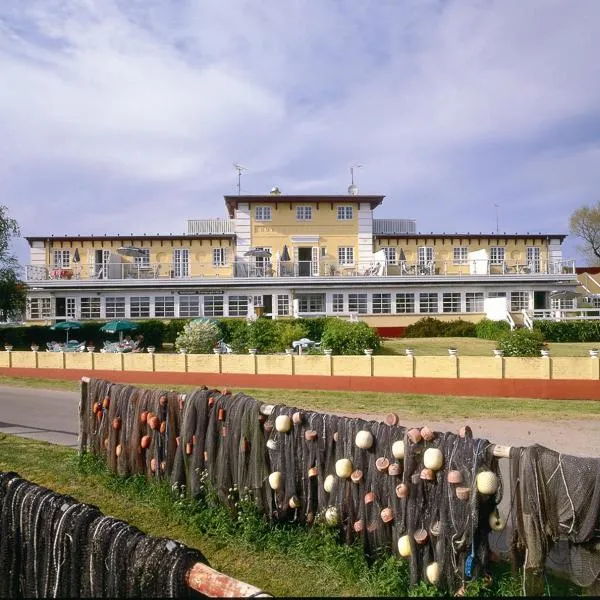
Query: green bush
x=263, y=334
x=289, y=331
x=569, y=331
x=486, y=329
x=314, y=326
x=431, y=327
x=521, y=342
x=153, y=331
x=459, y=329
x=235, y=333
x=173, y=328
x=346, y=337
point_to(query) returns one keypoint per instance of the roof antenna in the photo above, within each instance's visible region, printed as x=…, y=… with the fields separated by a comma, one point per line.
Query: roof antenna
x=497, y=228
x=240, y=169
x=352, y=188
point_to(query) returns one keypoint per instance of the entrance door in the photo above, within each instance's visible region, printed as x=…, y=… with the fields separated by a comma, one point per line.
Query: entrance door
x=268, y=304
x=61, y=309
x=305, y=256
x=540, y=300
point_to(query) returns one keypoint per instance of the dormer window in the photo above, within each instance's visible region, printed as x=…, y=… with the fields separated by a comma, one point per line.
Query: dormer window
x=304, y=213
x=262, y=213
x=344, y=213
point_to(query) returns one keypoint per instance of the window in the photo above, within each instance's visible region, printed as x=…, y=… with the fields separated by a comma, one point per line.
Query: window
x=213, y=306
x=283, y=304
x=405, y=303
x=474, y=302
x=62, y=259
x=519, y=301
x=262, y=213
x=346, y=255
x=382, y=304
x=425, y=255
x=39, y=308
x=337, y=303
x=497, y=255
x=257, y=300
x=533, y=258
x=114, y=307
x=139, y=306
x=451, y=302
x=357, y=303
x=181, y=262
x=90, y=308
x=344, y=213
x=390, y=255
x=496, y=294
x=303, y=213
x=559, y=304
x=428, y=303
x=70, y=308
x=594, y=301
x=164, y=306
x=144, y=259
x=311, y=303
x=189, y=306
x=219, y=257
x=238, y=306
x=460, y=255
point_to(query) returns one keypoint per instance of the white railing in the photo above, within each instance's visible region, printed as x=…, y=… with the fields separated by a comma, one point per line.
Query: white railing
x=210, y=226
x=394, y=226
x=562, y=314
x=510, y=320
x=527, y=319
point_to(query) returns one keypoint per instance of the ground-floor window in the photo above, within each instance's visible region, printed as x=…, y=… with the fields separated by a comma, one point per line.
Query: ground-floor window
x=496, y=294
x=189, y=306
x=139, y=306
x=90, y=308
x=213, y=306
x=451, y=302
x=428, y=302
x=164, y=306
x=311, y=303
x=357, y=303
x=114, y=307
x=283, y=304
x=474, y=302
x=337, y=303
x=39, y=308
x=382, y=304
x=405, y=303
x=70, y=308
x=238, y=306
x=519, y=301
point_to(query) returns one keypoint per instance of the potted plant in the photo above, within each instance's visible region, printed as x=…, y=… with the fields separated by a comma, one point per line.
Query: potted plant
x=151, y=349
x=409, y=351
x=593, y=352
x=452, y=351
x=498, y=352
x=368, y=351
x=329, y=351
x=34, y=347
x=216, y=350
x=289, y=351
x=8, y=347
x=252, y=350
x=545, y=351
x=90, y=347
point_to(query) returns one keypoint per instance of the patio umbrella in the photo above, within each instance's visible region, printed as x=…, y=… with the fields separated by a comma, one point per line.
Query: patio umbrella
x=119, y=326
x=401, y=255
x=258, y=253
x=66, y=326
x=205, y=320
x=130, y=251
x=76, y=258
x=285, y=254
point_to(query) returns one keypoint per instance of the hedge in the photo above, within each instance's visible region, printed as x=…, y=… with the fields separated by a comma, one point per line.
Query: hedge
x=569, y=331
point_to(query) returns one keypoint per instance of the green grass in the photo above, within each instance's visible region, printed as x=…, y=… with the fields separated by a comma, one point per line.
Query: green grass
x=374, y=403
x=283, y=560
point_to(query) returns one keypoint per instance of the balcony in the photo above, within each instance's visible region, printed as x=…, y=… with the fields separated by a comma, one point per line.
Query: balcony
x=210, y=227
x=394, y=226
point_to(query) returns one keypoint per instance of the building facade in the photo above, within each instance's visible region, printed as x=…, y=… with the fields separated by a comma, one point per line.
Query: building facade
x=283, y=255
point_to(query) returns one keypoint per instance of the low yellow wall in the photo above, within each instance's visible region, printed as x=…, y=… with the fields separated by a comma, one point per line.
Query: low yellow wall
x=436, y=366
x=274, y=363
x=393, y=366
x=108, y=361
x=352, y=365
x=138, y=362
x=203, y=363
x=170, y=362
x=79, y=360
x=312, y=365
x=525, y=368
x=480, y=367
x=23, y=360
x=570, y=367
x=50, y=360
x=237, y=363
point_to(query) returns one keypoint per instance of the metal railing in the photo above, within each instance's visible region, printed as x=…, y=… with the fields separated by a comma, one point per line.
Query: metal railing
x=394, y=226
x=560, y=314
x=210, y=226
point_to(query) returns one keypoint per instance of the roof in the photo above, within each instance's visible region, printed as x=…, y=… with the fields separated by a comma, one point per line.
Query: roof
x=468, y=235
x=232, y=202
x=125, y=238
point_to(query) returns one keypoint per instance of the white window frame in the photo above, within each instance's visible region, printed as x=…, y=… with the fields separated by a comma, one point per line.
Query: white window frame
x=534, y=258
x=39, y=308
x=283, y=304
x=428, y=301
x=181, y=263
x=61, y=259
x=139, y=306
x=311, y=303
x=391, y=255
x=303, y=213
x=189, y=305
x=358, y=303
x=451, y=302
x=213, y=306
x=219, y=257
x=519, y=300
x=405, y=303
x=90, y=307
x=263, y=213
x=497, y=255
x=460, y=255
x=71, y=308
x=144, y=260
x=345, y=213
x=346, y=255
x=337, y=303
x=115, y=307
x=382, y=303
x=164, y=306
x=474, y=302
x=238, y=305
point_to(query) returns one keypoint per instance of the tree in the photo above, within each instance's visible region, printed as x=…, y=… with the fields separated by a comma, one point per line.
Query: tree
x=12, y=289
x=585, y=224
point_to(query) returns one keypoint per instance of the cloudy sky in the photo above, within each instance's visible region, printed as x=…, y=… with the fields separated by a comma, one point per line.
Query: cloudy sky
x=121, y=116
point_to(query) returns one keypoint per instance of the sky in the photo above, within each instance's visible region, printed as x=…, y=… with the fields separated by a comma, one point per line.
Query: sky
x=126, y=116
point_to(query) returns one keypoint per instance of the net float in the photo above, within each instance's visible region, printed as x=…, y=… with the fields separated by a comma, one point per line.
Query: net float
x=275, y=480
x=402, y=490
x=188, y=448
x=404, y=546
x=178, y=440
x=221, y=414
x=313, y=472
x=454, y=476
x=394, y=469
x=343, y=468
x=106, y=443
x=358, y=526
x=163, y=427
x=465, y=432
x=487, y=483
x=427, y=434
x=387, y=515
x=463, y=493
x=414, y=435
x=310, y=517
x=329, y=483
x=364, y=439
x=211, y=402
x=294, y=502
x=163, y=465
x=153, y=464
x=356, y=476
x=99, y=415
x=497, y=523
x=421, y=536
x=283, y=423
x=271, y=444
x=224, y=432
x=163, y=400
x=268, y=427
x=382, y=464
x=106, y=402
x=335, y=436
x=398, y=449
x=118, y=450
x=145, y=441
x=154, y=422
x=244, y=445
x=181, y=403
x=143, y=416
x=310, y=435
x=297, y=418
x=205, y=456
x=372, y=527
x=194, y=439
x=432, y=572
x=391, y=419
x=149, y=415
x=435, y=528
x=370, y=497
x=116, y=423
x=332, y=515
x=427, y=474
x=96, y=407
x=433, y=459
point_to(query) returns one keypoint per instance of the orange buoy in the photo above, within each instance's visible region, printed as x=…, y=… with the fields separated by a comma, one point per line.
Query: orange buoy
x=391, y=419
x=145, y=441
x=116, y=423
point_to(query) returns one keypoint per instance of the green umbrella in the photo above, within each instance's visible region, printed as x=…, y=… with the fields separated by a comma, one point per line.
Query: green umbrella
x=66, y=326
x=119, y=326
x=205, y=320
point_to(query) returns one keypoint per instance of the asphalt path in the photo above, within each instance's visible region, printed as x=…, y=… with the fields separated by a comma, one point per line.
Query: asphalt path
x=47, y=415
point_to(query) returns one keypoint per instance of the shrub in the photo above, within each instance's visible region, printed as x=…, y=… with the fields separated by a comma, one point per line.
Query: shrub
x=431, y=327
x=459, y=329
x=521, y=342
x=235, y=333
x=569, y=331
x=173, y=328
x=153, y=331
x=346, y=337
x=289, y=331
x=198, y=337
x=487, y=329
x=315, y=326
x=263, y=335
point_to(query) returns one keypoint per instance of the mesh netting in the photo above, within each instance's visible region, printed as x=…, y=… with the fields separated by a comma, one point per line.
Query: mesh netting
x=51, y=546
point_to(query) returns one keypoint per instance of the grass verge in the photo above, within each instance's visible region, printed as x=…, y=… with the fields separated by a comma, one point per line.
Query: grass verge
x=284, y=560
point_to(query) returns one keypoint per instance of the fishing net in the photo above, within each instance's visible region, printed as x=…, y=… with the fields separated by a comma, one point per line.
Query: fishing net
x=556, y=499
x=51, y=546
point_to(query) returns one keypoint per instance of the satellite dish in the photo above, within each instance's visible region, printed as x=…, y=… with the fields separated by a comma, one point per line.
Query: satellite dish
x=353, y=189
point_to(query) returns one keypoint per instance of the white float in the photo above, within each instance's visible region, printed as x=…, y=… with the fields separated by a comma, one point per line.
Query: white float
x=343, y=468
x=329, y=483
x=364, y=439
x=404, y=546
x=433, y=459
x=275, y=480
x=283, y=423
x=398, y=449
x=487, y=483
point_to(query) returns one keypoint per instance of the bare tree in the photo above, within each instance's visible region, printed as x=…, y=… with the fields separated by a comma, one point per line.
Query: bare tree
x=12, y=290
x=585, y=224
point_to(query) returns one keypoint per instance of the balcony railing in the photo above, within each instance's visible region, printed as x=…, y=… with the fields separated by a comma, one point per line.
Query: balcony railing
x=210, y=226
x=394, y=226
x=252, y=269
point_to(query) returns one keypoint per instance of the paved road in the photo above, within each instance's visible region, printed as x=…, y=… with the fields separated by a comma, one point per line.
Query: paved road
x=49, y=415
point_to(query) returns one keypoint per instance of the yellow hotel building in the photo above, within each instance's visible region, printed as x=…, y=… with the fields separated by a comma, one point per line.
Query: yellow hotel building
x=283, y=255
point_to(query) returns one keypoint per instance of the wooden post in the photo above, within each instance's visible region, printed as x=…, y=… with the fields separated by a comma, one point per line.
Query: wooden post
x=83, y=388
x=213, y=584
